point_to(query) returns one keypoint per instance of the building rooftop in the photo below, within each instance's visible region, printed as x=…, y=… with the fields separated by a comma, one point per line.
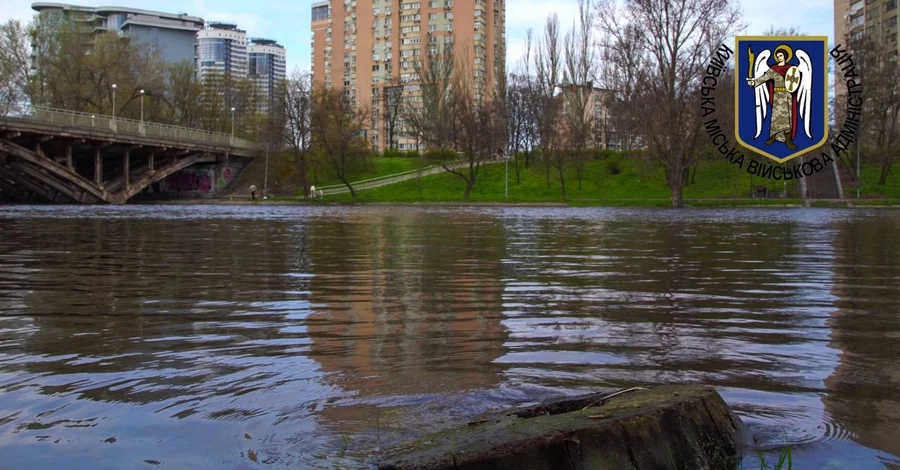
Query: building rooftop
x=225, y=26
x=42, y=6
x=264, y=42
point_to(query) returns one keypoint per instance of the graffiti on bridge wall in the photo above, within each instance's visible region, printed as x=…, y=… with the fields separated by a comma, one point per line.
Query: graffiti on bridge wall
x=198, y=180
x=190, y=181
x=225, y=176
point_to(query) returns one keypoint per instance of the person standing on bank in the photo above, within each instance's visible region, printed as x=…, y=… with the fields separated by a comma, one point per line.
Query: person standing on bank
x=253, y=191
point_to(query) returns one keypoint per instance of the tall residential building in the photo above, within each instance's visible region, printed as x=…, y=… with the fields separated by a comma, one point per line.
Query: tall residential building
x=173, y=35
x=370, y=47
x=267, y=67
x=858, y=19
x=221, y=49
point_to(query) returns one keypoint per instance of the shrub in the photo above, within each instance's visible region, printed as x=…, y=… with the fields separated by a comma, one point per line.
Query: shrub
x=442, y=155
x=613, y=165
x=396, y=153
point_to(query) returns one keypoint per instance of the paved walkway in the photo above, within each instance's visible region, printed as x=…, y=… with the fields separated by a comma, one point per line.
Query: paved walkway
x=392, y=179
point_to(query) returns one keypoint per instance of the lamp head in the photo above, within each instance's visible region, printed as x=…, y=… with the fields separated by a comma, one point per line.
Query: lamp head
x=142, y=91
x=113, y=86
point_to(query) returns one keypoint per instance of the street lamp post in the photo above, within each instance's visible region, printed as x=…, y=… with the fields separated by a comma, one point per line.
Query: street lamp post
x=142, y=110
x=232, y=125
x=114, y=107
x=506, y=180
x=266, y=176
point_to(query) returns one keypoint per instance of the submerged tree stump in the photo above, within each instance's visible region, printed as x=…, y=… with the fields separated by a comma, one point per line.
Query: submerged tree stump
x=666, y=427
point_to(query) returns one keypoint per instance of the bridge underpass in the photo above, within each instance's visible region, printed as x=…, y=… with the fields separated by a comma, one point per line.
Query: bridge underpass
x=60, y=156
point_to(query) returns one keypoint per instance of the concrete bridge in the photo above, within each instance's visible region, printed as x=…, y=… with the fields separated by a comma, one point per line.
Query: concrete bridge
x=54, y=155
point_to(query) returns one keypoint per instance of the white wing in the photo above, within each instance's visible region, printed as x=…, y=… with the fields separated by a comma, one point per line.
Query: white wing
x=804, y=91
x=762, y=92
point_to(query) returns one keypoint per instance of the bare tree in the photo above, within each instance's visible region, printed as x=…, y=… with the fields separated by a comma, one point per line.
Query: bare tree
x=548, y=61
x=517, y=108
x=183, y=95
x=579, y=68
x=477, y=127
x=15, y=76
x=673, y=38
x=879, y=130
x=295, y=103
x=338, y=126
x=393, y=99
x=431, y=121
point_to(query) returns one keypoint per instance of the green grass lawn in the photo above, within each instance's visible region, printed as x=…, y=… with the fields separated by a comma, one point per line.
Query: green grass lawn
x=870, y=186
x=636, y=183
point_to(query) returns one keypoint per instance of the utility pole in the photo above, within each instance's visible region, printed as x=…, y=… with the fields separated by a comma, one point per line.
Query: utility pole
x=858, y=176
x=266, y=177
x=506, y=176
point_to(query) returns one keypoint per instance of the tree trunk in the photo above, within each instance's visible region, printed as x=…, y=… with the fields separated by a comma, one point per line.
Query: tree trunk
x=469, y=184
x=349, y=187
x=547, y=168
x=579, y=171
x=885, y=171
x=677, y=193
x=516, y=162
x=562, y=180
x=300, y=166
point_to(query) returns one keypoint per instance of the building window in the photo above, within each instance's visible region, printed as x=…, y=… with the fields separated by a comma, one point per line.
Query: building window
x=891, y=5
x=857, y=21
x=320, y=13
x=892, y=21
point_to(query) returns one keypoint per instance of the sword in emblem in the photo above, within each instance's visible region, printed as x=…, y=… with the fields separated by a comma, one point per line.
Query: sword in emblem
x=751, y=56
x=750, y=69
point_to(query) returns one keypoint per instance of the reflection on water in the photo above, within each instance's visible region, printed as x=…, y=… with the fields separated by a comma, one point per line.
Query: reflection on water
x=226, y=337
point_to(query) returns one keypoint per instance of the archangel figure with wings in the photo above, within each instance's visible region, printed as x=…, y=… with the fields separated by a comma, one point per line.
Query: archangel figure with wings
x=784, y=87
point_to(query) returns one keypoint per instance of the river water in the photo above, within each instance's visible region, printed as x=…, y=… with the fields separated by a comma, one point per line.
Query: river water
x=315, y=337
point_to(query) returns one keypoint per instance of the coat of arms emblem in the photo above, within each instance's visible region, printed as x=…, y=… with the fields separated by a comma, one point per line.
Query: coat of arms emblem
x=781, y=94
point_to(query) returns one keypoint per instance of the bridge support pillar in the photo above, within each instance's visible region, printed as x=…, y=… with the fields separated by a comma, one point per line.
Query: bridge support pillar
x=69, y=157
x=126, y=161
x=150, y=160
x=98, y=167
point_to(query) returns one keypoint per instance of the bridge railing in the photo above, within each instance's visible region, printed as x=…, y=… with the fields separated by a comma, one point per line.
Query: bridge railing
x=131, y=126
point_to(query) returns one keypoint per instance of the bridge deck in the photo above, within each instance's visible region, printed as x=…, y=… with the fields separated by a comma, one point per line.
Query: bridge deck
x=57, y=155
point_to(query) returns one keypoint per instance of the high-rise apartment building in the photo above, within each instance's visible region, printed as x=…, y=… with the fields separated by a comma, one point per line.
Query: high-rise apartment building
x=267, y=66
x=372, y=49
x=173, y=35
x=855, y=20
x=222, y=49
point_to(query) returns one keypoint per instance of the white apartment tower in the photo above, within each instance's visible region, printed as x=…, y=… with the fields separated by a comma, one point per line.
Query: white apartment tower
x=267, y=66
x=222, y=49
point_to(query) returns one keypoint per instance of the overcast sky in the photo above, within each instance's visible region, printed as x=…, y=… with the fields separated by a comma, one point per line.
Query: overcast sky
x=288, y=21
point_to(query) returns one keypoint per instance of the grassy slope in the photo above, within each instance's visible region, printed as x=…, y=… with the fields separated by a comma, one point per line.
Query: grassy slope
x=636, y=181
x=870, y=187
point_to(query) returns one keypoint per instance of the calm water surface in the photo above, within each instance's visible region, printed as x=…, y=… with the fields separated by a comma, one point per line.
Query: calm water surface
x=292, y=337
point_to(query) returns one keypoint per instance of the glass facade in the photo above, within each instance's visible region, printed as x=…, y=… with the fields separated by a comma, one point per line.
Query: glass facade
x=213, y=49
x=320, y=13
